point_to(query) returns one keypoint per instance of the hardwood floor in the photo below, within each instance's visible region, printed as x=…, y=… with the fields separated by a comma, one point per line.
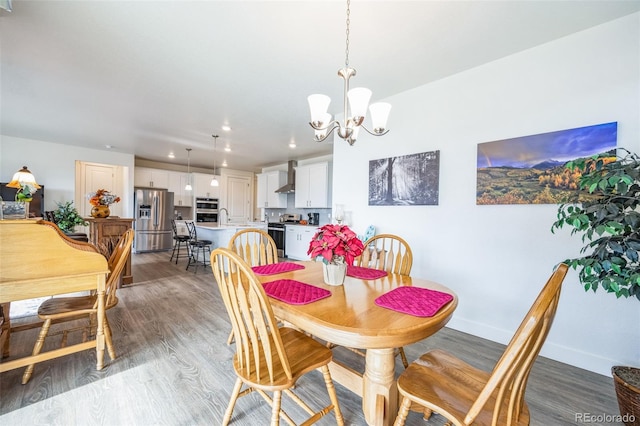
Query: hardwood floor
x=174, y=367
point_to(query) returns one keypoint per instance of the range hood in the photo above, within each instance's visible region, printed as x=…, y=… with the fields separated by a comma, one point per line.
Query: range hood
x=290, y=186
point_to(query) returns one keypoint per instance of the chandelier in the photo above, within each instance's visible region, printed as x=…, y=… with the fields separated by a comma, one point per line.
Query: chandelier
x=214, y=181
x=355, y=100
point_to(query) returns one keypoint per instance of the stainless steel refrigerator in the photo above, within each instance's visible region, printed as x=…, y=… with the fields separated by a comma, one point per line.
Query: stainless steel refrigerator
x=153, y=210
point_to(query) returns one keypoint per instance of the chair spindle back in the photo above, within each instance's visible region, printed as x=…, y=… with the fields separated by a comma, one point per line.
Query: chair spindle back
x=254, y=246
x=257, y=339
x=387, y=252
x=509, y=377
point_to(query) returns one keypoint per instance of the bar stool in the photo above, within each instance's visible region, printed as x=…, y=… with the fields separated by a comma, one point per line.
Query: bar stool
x=178, y=241
x=198, y=249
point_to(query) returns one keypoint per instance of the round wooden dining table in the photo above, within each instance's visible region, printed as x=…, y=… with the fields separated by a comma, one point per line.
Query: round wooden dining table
x=350, y=317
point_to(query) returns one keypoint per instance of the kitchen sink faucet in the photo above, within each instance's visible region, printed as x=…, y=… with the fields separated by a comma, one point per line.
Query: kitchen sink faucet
x=226, y=216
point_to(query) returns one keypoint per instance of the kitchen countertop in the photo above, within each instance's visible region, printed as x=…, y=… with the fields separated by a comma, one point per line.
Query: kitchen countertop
x=215, y=226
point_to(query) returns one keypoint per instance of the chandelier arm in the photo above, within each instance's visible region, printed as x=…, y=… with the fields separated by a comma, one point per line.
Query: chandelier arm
x=336, y=125
x=375, y=133
x=331, y=123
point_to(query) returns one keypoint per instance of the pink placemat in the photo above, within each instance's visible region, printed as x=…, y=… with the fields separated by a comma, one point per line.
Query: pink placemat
x=294, y=292
x=276, y=268
x=416, y=301
x=365, y=273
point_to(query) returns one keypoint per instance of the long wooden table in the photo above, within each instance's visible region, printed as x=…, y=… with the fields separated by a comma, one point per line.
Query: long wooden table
x=35, y=261
x=349, y=317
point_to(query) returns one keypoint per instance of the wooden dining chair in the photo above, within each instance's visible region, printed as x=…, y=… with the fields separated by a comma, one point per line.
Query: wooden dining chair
x=268, y=358
x=391, y=253
x=465, y=395
x=64, y=309
x=386, y=252
x=254, y=246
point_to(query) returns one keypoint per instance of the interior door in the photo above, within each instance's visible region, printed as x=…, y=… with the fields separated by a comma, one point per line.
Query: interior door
x=239, y=198
x=93, y=176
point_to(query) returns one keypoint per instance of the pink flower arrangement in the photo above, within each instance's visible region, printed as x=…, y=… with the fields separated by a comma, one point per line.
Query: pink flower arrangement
x=335, y=244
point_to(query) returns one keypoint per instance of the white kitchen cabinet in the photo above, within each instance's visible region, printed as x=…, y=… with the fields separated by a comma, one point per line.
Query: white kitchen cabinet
x=202, y=186
x=297, y=239
x=151, y=178
x=177, y=183
x=312, y=186
x=268, y=183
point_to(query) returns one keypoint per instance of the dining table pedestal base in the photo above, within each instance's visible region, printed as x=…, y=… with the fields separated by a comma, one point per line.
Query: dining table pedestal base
x=380, y=392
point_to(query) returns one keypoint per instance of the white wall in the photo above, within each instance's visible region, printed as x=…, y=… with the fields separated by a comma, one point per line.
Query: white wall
x=496, y=258
x=54, y=166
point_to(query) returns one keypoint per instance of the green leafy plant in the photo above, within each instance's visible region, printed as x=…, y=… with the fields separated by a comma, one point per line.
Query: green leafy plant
x=67, y=217
x=609, y=221
x=25, y=192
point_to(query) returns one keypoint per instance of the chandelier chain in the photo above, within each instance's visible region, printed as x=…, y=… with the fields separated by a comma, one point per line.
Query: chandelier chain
x=346, y=52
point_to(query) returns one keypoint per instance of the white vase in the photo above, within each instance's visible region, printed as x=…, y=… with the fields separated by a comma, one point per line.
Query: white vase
x=334, y=273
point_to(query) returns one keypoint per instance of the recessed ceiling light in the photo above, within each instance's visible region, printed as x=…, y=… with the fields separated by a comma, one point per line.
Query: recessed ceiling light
x=224, y=163
x=171, y=155
x=292, y=144
x=227, y=148
x=108, y=146
x=226, y=128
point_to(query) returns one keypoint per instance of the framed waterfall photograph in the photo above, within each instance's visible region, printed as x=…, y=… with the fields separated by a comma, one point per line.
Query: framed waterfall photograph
x=531, y=169
x=408, y=180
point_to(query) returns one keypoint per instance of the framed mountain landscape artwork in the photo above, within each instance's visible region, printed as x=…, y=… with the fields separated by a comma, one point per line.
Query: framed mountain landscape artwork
x=408, y=180
x=530, y=169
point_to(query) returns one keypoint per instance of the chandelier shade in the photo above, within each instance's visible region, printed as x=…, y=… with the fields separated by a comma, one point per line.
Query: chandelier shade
x=356, y=102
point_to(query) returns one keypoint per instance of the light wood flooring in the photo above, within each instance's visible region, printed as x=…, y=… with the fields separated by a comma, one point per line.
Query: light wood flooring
x=174, y=367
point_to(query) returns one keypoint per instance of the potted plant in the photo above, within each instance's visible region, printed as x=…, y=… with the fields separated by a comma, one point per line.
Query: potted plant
x=337, y=246
x=67, y=217
x=608, y=216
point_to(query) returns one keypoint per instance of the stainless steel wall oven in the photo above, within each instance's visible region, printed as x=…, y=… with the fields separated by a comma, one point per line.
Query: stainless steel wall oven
x=206, y=209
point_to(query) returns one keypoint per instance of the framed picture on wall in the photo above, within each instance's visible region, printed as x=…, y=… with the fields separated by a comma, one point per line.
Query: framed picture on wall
x=530, y=169
x=409, y=180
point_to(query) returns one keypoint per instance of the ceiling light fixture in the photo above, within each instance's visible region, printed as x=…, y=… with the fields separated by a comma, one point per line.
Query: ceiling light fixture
x=224, y=163
x=171, y=155
x=227, y=148
x=188, y=187
x=214, y=181
x=226, y=128
x=355, y=100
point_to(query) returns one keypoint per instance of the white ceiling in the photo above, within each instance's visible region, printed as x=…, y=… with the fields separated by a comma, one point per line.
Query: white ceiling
x=151, y=77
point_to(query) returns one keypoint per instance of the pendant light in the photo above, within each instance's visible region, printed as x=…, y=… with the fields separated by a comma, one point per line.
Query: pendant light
x=188, y=187
x=214, y=181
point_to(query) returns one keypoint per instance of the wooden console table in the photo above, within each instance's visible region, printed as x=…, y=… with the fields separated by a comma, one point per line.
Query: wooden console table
x=105, y=233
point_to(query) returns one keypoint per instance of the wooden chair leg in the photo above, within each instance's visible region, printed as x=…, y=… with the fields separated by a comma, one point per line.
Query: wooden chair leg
x=232, y=402
x=36, y=350
x=108, y=339
x=331, y=390
x=426, y=414
x=403, y=412
x=275, y=408
x=403, y=357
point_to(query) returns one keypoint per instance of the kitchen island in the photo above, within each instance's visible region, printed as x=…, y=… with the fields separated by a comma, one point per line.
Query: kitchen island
x=220, y=234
